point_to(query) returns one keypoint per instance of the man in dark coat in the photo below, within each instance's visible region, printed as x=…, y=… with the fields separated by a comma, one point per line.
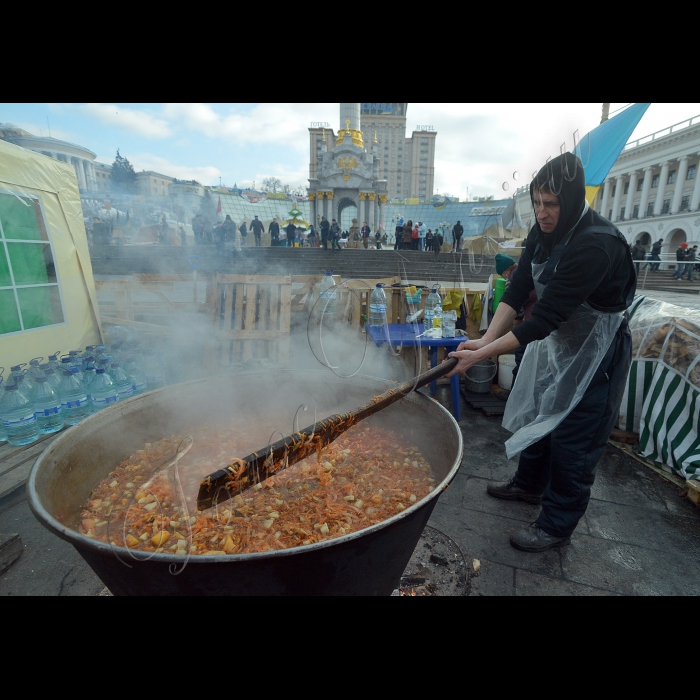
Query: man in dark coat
x=334, y=233
x=581, y=267
x=325, y=230
x=457, y=231
x=258, y=229
x=198, y=228
x=274, y=233
x=638, y=254
x=291, y=230
x=244, y=232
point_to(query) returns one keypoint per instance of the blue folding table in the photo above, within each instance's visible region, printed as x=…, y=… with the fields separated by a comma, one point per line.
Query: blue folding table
x=404, y=334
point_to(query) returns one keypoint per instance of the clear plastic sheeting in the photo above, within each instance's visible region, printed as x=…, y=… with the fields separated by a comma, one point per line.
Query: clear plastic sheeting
x=554, y=375
x=662, y=398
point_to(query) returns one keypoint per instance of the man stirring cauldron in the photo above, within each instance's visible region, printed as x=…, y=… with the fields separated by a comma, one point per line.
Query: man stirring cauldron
x=566, y=397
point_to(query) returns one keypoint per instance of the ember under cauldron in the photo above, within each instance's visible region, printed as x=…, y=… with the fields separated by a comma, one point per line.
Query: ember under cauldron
x=368, y=562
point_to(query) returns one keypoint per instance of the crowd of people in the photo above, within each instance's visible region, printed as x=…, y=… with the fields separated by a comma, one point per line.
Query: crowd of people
x=687, y=261
x=417, y=237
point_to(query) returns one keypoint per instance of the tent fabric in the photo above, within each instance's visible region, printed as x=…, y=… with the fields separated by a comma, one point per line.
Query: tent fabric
x=71, y=307
x=599, y=148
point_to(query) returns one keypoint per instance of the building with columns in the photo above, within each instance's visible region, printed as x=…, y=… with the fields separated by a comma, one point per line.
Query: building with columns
x=653, y=190
x=81, y=158
x=407, y=164
x=346, y=176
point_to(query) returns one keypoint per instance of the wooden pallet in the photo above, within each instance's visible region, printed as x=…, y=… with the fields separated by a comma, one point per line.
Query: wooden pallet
x=490, y=404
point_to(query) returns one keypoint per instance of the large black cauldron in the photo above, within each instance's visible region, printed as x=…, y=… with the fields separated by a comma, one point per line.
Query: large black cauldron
x=368, y=562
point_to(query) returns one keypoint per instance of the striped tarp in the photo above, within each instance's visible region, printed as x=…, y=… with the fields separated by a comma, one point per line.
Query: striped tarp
x=661, y=401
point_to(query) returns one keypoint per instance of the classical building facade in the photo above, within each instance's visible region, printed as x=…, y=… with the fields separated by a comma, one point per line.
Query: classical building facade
x=407, y=164
x=81, y=158
x=346, y=175
x=153, y=184
x=653, y=190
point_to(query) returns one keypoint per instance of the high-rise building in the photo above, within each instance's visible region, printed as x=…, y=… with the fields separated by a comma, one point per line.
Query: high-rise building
x=407, y=164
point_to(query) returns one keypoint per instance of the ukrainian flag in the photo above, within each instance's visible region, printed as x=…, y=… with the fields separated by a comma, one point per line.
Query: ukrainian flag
x=599, y=149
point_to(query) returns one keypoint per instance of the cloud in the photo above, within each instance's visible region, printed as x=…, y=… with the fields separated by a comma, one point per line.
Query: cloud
x=139, y=121
x=207, y=175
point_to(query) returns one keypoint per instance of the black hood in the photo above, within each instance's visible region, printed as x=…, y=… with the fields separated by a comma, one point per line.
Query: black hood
x=564, y=177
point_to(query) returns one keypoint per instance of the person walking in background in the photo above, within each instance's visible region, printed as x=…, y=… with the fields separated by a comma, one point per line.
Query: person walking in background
x=312, y=236
x=365, y=232
x=291, y=231
x=422, y=233
x=208, y=232
x=415, y=237
x=334, y=233
x=690, y=257
x=407, y=235
x=457, y=231
x=398, y=235
x=258, y=229
x=655, y=255
x=325, y=231
x=680, y=260
x=429, y=237
x=274, y=233
x=437, y=243
x=638, y=254
x=244, y=232
x=198, y=228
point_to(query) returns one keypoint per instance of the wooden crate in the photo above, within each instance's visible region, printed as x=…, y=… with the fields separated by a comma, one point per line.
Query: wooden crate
x=250, y=317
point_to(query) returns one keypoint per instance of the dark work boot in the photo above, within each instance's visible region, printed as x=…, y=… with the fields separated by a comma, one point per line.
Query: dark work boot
x=535, y=539
x=508, y=491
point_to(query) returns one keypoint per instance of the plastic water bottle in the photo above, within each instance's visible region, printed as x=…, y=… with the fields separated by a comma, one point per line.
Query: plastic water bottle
x=74, y=400
x=52, y=377
x=17, y=376
x=17, y=415
x=34, y=371
x=136, y=375
x=103, y=393
x=47, y=406
x=377, y=306
x=76, y=358
x=55, y=362
x=433, y=310
x=153, y=369
x=328, y=295
x=449, y=322
x=121, y=380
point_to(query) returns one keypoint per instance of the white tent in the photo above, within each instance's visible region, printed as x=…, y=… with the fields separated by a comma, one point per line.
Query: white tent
x=47, y=293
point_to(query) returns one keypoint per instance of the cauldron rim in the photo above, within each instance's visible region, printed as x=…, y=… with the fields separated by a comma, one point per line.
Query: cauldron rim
x=80, y=541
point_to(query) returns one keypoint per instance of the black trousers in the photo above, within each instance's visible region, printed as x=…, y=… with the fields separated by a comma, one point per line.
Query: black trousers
x=562, y=465
x=324, y=240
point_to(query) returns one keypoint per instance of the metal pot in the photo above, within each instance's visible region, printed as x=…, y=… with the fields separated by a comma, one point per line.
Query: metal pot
x=367, y=562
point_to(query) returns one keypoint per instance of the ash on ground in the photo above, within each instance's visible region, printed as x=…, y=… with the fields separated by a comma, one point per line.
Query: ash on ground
x=437, y=567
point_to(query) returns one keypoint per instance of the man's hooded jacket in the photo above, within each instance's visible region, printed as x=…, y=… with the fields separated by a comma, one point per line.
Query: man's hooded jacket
x=596, y=267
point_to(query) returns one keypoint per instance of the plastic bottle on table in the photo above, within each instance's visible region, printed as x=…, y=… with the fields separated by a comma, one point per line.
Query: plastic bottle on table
x=55, y=362
x=102, y=391
x=121, y=381
x=17, y=416
x=52, y=377
x=377, y=306
x=136, y=375
x=76, y=358
x=34, y=371
x=47, y=405
x=328, y=294
x=74, y=399
x=17, y=376
x=433, y=310
x=449, y=322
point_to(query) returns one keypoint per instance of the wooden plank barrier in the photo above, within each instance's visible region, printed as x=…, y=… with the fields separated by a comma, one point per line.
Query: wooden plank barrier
x=250, y=317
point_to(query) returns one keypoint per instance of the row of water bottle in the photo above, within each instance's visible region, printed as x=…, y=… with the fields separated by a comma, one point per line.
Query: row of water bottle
x=439, y=324
x=45, y=397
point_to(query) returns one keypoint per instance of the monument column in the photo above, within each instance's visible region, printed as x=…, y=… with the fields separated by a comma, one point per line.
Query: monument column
x=362, y=208
x=680, y=181
x=662, y=188
x=382, y=209
x=372, y=217
x=330, y=215
x=617, y=198
x=645, y=193
x=312, y=210
x=630, y=195
x=695, y=200
x=320, y=204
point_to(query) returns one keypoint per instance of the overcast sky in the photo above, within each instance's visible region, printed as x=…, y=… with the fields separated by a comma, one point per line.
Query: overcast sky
x=479, y=147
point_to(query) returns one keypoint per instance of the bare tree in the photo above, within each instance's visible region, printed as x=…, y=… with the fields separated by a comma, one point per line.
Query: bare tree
x=272, y=183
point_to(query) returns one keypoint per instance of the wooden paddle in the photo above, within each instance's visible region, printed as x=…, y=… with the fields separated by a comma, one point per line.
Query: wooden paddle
x=244, y=473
